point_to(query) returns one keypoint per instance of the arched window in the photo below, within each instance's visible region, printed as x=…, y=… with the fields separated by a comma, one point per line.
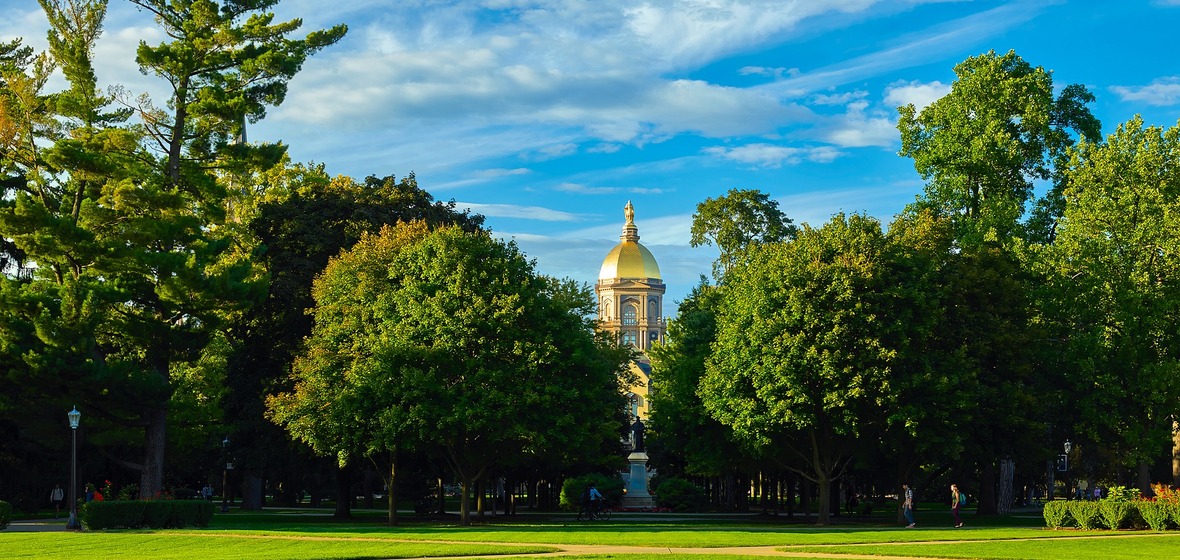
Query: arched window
x=630, y=315
x=606, y=308
x=653, y=309
x=629, y=338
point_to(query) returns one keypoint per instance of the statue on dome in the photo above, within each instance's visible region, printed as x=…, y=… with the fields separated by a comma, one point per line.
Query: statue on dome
x=629, y=212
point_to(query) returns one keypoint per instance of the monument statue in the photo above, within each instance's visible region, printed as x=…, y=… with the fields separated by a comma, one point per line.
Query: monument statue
x=637, y=435
x=629, y=212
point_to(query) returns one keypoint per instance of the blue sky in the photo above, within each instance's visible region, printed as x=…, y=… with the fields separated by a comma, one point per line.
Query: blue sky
x=548, y=116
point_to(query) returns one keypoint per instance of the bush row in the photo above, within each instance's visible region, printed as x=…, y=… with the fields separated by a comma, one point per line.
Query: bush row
x=5, y=514
x=1112, y=514
x=150, y=514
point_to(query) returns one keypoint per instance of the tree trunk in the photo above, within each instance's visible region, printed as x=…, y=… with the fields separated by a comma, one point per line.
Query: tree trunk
x=151, y=480
x=391, y=492
x=825, y=498
x=1007, y=491
x=1051, y=481
x=1176, y=454
x=343, y=493
x=465, y=483
x=481, y=492
x=1143, y=480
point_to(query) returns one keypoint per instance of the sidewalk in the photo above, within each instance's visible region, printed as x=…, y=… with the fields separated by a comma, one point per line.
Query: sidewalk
x=36, y=526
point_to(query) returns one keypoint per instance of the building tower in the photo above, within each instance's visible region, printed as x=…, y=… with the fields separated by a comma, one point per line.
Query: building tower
x=631, y=301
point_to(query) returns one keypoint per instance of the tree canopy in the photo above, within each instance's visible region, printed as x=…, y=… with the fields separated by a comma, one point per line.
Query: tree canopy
x=449, y=340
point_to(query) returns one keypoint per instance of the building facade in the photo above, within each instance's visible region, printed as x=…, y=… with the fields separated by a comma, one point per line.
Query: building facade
x=630, y=303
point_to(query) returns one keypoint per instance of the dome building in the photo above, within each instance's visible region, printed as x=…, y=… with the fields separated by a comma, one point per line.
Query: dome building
x=631, y=301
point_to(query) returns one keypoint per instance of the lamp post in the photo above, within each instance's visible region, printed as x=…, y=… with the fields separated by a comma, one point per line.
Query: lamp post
x=225, y=475
x=74, y=417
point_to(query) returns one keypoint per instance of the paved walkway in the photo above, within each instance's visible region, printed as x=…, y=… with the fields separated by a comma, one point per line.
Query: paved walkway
x=36, y=526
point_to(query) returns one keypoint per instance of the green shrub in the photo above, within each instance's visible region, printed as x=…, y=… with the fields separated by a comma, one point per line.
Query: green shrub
x=1157, y=515
x=1086, y=514
x=611, y=488
x=1057, y=514
x=5, y=514
x=152, y=514
x=680, y=495
x=1121, y=494
x=1116, y=514
x=185, y=494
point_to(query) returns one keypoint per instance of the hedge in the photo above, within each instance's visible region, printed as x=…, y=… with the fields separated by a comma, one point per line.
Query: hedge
x=5, y=514
x=1057, y=514
x=1112, y=514
x=150, y=514
x=1157, y=515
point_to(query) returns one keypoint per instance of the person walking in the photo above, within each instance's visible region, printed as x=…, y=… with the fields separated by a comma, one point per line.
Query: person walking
x=957, y=500
x=56, y=497
x=907, y=506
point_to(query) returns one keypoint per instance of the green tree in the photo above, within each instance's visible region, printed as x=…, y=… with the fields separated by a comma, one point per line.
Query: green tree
x=1113, y=271
x=449, y=340
x=138, y=242
x=736, y=221
x=302, y=218
x=805, y=346
x=684, y=437
x=981, y=147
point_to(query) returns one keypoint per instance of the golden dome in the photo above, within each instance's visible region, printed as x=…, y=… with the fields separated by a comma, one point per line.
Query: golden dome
x=629, y=259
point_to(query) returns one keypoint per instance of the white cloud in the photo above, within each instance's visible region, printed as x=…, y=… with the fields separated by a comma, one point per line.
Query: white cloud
x=578, y=188
x=517, y=211
x=857, y=128
x=776, y=73
x=772, y=156
x=919, y=94
x=838, y=98
x=1161, y=92
x=691, y=31
x=917, y=49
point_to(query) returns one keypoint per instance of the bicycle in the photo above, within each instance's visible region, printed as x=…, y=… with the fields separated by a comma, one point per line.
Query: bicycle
x=586, y=514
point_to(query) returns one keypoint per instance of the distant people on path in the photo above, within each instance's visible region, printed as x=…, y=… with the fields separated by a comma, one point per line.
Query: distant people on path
x=207, y=492
x=958, y=499
x=57, y=496
x=1097, y=493
x=907, y=505
x=851, y=504
x=1082, y=487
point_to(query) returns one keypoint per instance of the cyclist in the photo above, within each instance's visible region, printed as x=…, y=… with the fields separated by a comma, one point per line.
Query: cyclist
x=595, y=500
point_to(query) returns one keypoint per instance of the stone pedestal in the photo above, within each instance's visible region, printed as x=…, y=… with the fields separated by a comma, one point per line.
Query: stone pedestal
x=637, y=495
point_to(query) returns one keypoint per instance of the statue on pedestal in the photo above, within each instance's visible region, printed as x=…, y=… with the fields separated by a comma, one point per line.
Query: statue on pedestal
x=637, y=435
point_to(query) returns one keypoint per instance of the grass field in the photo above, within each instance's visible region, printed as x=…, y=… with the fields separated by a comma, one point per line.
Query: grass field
x=299, y=534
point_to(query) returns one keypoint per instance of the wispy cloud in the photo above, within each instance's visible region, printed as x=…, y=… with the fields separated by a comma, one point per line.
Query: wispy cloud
x=774, y=156
x=916, y=49
x=578, y=188
x=517, y=211
x=1160, y=92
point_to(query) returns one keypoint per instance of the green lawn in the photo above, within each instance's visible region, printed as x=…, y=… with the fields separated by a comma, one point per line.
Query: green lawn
x=304, y=535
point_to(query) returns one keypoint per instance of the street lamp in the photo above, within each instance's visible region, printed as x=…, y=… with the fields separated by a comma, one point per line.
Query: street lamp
x=225, y=475
x=74, y=417
x=1068, y=446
